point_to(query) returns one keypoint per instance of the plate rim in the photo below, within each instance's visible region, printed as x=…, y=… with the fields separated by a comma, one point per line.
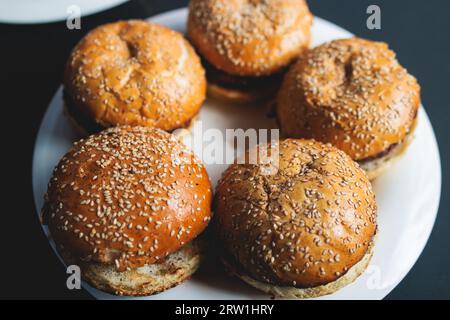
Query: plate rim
x=91, y=8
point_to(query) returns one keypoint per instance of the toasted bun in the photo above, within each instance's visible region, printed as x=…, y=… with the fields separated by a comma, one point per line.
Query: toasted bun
x=352, y=93
x=306, y=224
x=120, y=74
x=306, y=293
x=249, y=37
x=127, y=197
x=146, y=280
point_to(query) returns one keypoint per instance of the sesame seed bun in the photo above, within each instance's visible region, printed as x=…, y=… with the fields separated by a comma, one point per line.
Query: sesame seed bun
x=307, y=293
x=305, y=226
x=376, y=166
x=248, y=38
x=147, y=280
x=127, y=197
x=121, y=74
x=351, y=93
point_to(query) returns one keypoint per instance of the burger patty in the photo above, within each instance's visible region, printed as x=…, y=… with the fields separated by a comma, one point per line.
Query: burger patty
x=230, y=81
x=381, y=154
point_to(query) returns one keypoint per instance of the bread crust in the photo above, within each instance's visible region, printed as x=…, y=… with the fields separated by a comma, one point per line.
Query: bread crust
x=305, y=225
x=352, y=93
x=305, y=293
x=146, y=280
x=85, y=126
x=376, y=167
x=127, y=197
x=249, y=37
x=120, y=74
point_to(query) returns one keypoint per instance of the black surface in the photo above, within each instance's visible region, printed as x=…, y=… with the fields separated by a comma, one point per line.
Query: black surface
x=32, y=60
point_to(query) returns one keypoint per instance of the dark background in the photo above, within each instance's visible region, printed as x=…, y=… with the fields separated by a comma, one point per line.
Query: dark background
x=31, y=63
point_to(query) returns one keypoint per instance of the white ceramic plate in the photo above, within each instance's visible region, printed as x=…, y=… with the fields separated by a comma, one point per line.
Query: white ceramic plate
x=44, y=11
x=408, y=195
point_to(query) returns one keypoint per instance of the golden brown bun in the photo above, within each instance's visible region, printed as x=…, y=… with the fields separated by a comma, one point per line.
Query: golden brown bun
x=128, y=196
x=249, y=37
x=376, y=167
x=147, y=280
x=304, y=226
x=135, y=73
x=352, y=93
x=306, y=293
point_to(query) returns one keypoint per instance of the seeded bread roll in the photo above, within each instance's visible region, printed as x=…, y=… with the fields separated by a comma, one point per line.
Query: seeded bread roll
x=146, y=280
x=126, y=198
x=303, y=231
x=354, y=94
x=133, y=73
x=244, y=41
